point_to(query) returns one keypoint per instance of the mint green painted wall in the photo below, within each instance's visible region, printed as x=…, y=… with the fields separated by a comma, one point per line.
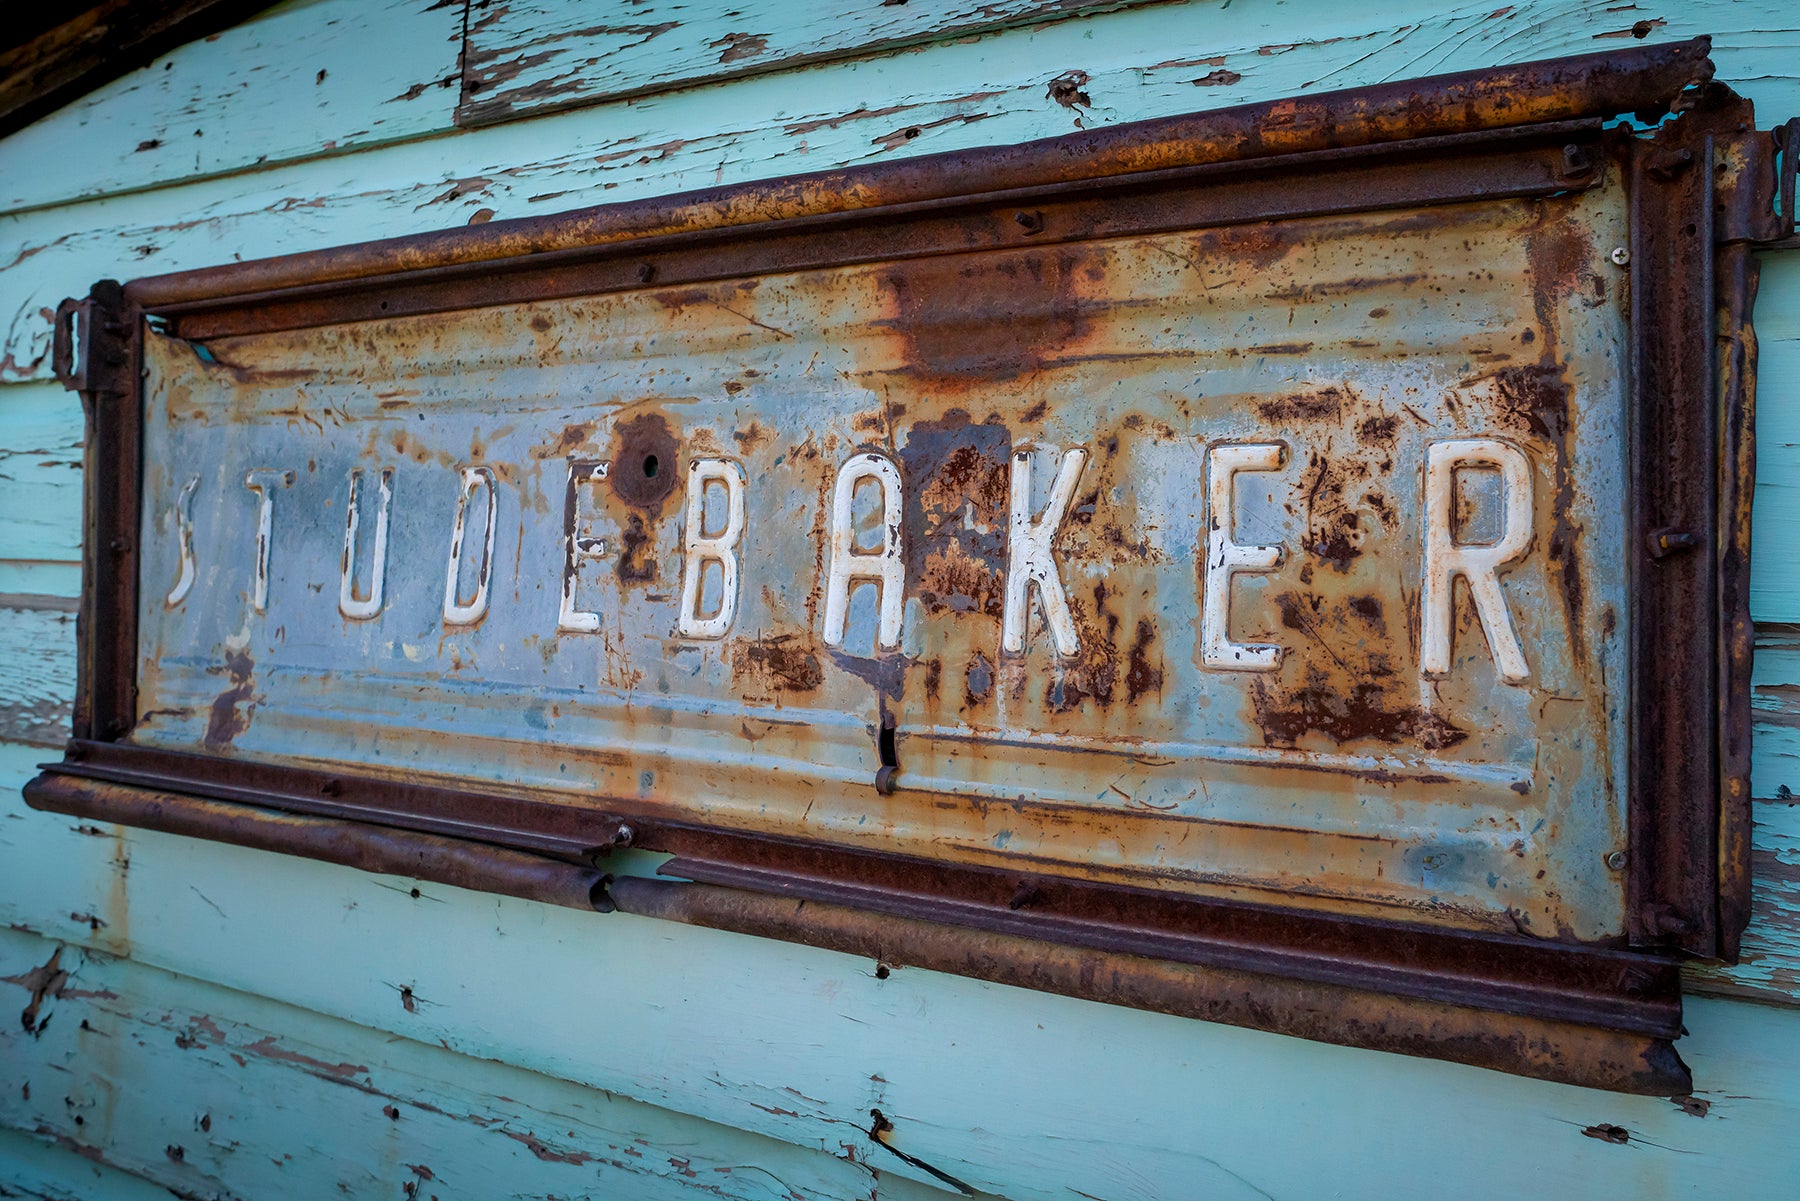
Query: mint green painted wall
x=220, y=1022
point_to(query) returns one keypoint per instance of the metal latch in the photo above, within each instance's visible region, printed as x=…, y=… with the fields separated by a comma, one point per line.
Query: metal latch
x=90, y=340
x=1787, y=150
x=69, y=341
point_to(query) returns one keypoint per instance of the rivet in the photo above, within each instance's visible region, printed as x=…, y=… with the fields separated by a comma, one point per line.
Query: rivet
x=1621, y=256
x=645, y=273
x=1030, y=221
x=1616, y=861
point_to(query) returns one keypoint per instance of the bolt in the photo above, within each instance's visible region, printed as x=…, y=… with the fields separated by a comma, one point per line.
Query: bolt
x=1670, y=165
x=119, y=546
x=1666, y=542
x=623, y=835
x=1616, y=861
x=1621, y=256
x=645, y=273
x=1576, y=161
x=1030, y=222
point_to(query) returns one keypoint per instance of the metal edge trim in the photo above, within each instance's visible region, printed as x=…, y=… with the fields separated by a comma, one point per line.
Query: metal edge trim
x=1643, y=79
x=1565, y=1052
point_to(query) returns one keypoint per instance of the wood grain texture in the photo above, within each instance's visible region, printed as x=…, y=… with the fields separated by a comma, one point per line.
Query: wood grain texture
x=526, y=57
x=1774, y=571
x=94, y=43
x=298, y=81
x=40, y=476
x=1019, y=1094
x=1770, y=968
x=36, y=1169
x=253, y=1098
x=37, y=670
x=1140, y=63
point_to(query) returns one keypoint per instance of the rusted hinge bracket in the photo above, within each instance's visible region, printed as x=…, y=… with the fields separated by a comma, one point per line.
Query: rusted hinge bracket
x=1784, y=157
x=90, y=345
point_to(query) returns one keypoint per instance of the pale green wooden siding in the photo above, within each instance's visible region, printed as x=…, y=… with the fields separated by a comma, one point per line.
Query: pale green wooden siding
x=234, y=1024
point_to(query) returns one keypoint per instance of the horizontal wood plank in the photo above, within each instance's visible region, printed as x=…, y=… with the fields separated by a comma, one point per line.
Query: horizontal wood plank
x=37, y=670
x=295, y=82
x=38, y=1169
x=253, y=1098
x=41, y=431
x=528, y=57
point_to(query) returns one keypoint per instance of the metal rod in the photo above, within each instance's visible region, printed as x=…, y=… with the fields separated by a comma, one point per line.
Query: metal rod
x=1566, y=1052
x=1559, y=1051
x=453, y=861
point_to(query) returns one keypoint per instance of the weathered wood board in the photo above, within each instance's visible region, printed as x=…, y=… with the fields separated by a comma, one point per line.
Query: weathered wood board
x=241, y=1083
x=297, y=81
x=525, y=57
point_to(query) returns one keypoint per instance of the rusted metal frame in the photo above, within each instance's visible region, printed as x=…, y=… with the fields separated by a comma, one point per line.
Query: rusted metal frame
x=1675, y=605
x=1738, y=273
x=1645, y=79
x=1646, y=985
x=372, y=848
x=1755, y=209
x=1573, y=1052
x=1623, y=991
x=1336, y=954
x=98, y=350
x=543, y=827
x=1564, y=1052
x=1700, y=193
x=1487, y=165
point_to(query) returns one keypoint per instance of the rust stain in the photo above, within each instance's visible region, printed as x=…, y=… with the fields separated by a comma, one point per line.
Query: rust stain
x=646, y=470
x=786, y=661
x=1346, y=714
x=978, y=680
x=968, y=324
x=232, y=709
x=1141, y=676
x=955, y=513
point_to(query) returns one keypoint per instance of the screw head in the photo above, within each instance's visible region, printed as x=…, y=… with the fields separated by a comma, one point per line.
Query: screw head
x=1616, y=861
x=1621, y=256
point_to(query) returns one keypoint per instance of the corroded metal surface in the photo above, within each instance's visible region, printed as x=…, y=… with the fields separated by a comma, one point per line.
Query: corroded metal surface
x=1283, y=520
x=1344, y=774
